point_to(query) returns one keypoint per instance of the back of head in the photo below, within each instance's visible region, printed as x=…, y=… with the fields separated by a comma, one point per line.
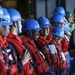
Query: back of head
x=58, y=31
x=58, y=18
x=44, y=22
x=1, y=12
x=14, y=15
x=59, y=10
x=31, y=24
x=6, y=16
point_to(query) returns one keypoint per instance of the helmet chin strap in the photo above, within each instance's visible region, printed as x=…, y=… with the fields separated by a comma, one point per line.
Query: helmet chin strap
x=19, y=27
x=31, y=36
x=0, y=22
x=6, y=30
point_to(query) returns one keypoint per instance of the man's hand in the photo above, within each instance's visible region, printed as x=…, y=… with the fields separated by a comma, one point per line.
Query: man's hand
x=26, y=57
x=45, y=50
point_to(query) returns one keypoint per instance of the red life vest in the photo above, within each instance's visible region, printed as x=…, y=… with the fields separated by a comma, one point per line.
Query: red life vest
x=14, y=70
x=3, y=70
x=5, y=59
x=55, y=57
x=42, y=65
x=3, y=42
x=3, y=66
x=64, y=43
x=61, y=64
x=49, y=38
x=43, y=43
x=51, y=28
x=16, y=41
x=28, y=69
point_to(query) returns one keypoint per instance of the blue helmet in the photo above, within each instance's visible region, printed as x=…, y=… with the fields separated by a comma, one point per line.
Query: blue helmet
x=1, y=12
x=31, y=24
x=58, y=18
x=44, y=22
x=59, y=10
x=14, y=15
x=58, y=31
x=6, y=16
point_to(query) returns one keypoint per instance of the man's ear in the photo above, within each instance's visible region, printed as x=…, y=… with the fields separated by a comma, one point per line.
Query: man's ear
x=15, y=24
x=28, y=32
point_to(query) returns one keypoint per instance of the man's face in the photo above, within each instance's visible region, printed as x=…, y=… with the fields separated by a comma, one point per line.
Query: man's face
x=1, y=31
x=46, y=31
x=70, y=19
x=61, y=25
x=35, y=34
x=57, y=39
